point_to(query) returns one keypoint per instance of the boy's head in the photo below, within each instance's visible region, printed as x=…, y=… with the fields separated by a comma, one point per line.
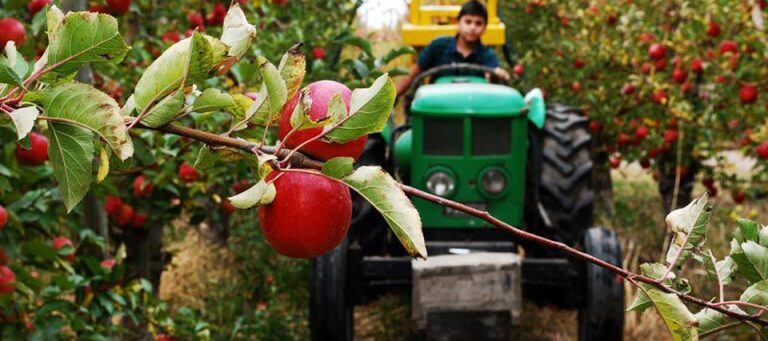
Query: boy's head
x=473, y=18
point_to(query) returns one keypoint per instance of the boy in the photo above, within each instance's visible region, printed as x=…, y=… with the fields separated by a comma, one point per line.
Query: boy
x=465, y=47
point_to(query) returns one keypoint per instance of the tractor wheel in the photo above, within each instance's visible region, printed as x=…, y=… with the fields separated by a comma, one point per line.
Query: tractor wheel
x=602, y=316
x=564, y=177
x=330, y=309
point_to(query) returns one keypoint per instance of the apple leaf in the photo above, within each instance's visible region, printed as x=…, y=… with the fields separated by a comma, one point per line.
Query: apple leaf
x=13, y=67
x=83, y=37
x=744, y=266
x=679, y=320
x=689, y=225
x=84, y=105
x=338, y=167
x=721, y=271
x=272, y=95
x=384, y=193
x=103, y=170
x=757, y=256
x=655, y=271
x=71, y=153
x=213, y=99
x=712, y=321
x=369, y=111
x=238, y=34
x=748, y=230
x=8, y=76
x=24, y=119
x=756, y=293
x=205, y=158
x=259, y=194
x=292, y=68
x=165, y=110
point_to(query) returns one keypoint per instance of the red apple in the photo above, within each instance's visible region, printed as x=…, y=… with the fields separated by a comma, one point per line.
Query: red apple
x=7, y=278
x=738, y=197
x=578, y=63
x=35, y=6
x=318, y=52
x=687, y=87
x=671, y=135
x=748, y=93
x=518, y=69
x=642, y=132
x=118, y=7
x=576, y=86
x=660, y=64
x=623, y=140
x=646, y=37
x=195, y=19
x=11, y=30
x=216, y=17
x=309, y=216
x=595, y=126
x=3, y=217
x=708, y=182
x=3, y=257
x=188, y=173
x=762, y=150
x=108, y=263
x=138, y=219
x=112, y=204
x=628, y=89
x=171, y=37
x=98, y=9
x=615, y=161
x=656, y=51
x=679, y=75
x=320, y=93
x=37, y=153
x=241, y=185
x=124, y=215
x=162, y=337
x=697, y=65
x=645, y=163
x=729, y=46
x=645, y=68
x=226, y=207
x=61, y=242
x=713, y=29
x=141, y=186
x=659, y=97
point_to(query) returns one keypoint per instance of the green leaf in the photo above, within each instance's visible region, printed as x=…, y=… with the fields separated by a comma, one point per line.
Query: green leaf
x=84, y=105
x=7, y=76
x=756, y=293
x=188, y=61
x=213, y=99
x=71, y=151
x=724, y=268
x=301, y=120
x=361, y=43
x=385, y=194
x=39, y=249
x=84, y=37
x=23, y=120
x=712, y=321
x=744, y=266
x=205, y=158
x=757, y=255
x=238, y=34
x=679, y=320
x=395, y=53
x=13, y=67
x=276, y=89
x=689, y=224
x=655, y=271
x=338, y=167
x=292, y=68
x=748, y=230
x=369, y=111
x=259, y=194
x=164, y=111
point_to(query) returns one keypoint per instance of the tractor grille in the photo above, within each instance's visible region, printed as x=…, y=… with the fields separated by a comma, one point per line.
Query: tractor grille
x=443, y=136
x=491, y=136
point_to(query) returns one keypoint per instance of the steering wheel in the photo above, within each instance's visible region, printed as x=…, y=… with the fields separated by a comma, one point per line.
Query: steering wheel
x=417, y=81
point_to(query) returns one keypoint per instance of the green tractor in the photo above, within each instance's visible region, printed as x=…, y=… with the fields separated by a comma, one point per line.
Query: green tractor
x=490, y=147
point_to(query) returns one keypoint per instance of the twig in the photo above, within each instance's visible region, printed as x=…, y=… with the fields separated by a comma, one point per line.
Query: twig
x=677, y=256
x=717, y=273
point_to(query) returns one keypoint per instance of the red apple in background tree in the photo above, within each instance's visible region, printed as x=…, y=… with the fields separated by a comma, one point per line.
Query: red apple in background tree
x=108, y=264
x=138, y=219
x=697, y=65
x=171, y=37
x=679, y=75
x=628, y=89
x=61, y=242
x=226, y=207
x=729, y=46
x=656, y=51
x=713, y=29
x=98, y=9
x=35, y=6
x=124, y=215
x=518, y=69
x=320, y=93
x=3, y=217
x=7, y=279
x=318, y=52
x=112, y=204
x=748, y=93
x=738, y=197
x=141, y=186
x=11, y=30
x=762, y=150
x=642, y=132
x=309, y=216
x=195, y=19
x=37, y=153
x=216, y=17
x=188, y=173
x=118, y=7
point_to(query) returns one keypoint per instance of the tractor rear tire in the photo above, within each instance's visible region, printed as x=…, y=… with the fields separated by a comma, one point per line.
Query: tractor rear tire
x=330, y=307
x=602, y=316
x=565, y=182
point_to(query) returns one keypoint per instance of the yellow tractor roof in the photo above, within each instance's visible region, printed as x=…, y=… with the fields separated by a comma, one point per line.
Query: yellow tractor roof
x=429, y=20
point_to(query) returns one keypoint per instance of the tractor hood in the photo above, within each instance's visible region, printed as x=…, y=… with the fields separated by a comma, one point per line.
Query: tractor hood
x=477, y=99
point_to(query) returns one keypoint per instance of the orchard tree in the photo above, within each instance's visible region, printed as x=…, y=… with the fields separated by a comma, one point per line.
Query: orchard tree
x=667, y=83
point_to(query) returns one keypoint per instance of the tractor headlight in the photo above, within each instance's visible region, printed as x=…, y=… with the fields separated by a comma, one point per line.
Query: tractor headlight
x=493, y=181
x=441, y=182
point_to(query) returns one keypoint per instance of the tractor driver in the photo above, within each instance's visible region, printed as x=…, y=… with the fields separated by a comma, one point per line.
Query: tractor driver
x=464, y=47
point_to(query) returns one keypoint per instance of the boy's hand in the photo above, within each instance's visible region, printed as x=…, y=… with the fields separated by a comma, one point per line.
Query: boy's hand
x=501, y=74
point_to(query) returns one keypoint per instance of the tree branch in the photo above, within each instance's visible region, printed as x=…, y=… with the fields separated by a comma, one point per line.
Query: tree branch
x=300, y=160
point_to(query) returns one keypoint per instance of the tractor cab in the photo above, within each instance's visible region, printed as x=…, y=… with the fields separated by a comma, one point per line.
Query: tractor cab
x=488, y=146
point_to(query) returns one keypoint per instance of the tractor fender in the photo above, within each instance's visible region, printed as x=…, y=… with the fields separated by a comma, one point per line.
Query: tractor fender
x=537, y=109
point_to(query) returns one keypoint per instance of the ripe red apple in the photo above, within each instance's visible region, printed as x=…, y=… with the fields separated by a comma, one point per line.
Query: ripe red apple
x=37, y=153
x=671, y=135
x=118, y=7
x=645, y=68
x=576, y=86
x=309, y=216
x=595, y=126
x=713, y=29
x=738, y=197
x=35, y=6
x=679, y=75
x=697, y=65
x=762, y=150
x=660, y=64
x=3, y=217
x=60, y=242
x=729, y=46
x=628, y=89
x=659, y=97
x=108, y=263
x=280, y=2
x=112, y=204
x=188, y=173
x=98, y=9
x=712, y=191
x=11, y=30
x=7, y=278
x=124, y=215
x=171, y=37
x=687, y=87
x=320, y=93
x=642, y=132
x=615, y=161
x=645, y=163
x=623, y=140
x=646, y=37
x=162, y=337
x=226, y=207
x=656, y=51
x=708, y=182
x=141, y=186
x=195, y=19
x=318, y=52
x=138, y=220
x=216, y=17
x=611, y=19
x=518, y=69
x=241, y=185
x=578, y=63
x=748, y=93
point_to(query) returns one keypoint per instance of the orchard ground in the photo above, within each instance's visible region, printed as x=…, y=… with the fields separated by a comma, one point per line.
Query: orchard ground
x=200, y=273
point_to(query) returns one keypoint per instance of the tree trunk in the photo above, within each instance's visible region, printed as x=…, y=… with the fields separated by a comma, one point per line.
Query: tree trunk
x=601, y=179
x=145, y=256
x=667, y=178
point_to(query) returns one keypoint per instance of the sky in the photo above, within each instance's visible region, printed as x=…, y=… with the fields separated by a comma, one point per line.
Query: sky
x=378, y=14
